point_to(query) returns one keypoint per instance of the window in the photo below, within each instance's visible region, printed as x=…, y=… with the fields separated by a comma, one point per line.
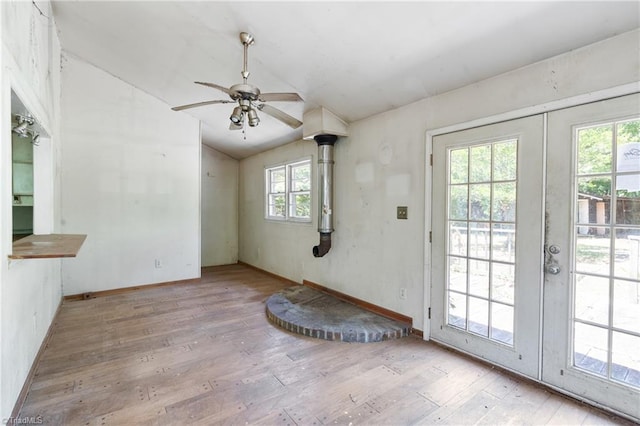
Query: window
x=288, y=191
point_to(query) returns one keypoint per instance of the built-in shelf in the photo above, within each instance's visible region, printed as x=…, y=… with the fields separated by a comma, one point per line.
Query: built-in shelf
x=47, y=246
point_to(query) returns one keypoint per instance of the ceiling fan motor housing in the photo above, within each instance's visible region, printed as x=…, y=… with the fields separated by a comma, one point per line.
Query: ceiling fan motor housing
x=244, y=91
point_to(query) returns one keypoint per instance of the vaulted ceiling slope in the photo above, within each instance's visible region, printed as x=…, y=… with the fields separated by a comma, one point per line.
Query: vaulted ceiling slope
x=355, y=58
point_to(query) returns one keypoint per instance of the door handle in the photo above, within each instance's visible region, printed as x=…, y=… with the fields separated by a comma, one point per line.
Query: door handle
x=551, y=264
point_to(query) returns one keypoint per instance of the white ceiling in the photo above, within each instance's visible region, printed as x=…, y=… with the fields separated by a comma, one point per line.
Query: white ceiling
x=354, y=58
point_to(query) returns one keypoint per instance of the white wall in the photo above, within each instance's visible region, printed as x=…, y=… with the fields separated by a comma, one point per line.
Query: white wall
x=381, y=165
x=30, y=290
x=219, y=177
x=130, y=181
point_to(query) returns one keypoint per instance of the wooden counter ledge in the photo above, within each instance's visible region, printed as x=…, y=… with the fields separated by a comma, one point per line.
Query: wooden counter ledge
x=47, y=246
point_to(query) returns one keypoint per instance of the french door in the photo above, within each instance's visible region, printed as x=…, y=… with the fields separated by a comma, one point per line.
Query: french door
x=487, y=236
x=591, y=343
x=536, y=258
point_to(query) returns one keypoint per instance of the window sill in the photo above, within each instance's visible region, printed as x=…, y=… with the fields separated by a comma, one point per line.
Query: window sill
x=47, y=246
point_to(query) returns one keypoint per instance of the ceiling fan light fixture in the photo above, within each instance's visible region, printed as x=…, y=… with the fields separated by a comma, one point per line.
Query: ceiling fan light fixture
x=253, y=117
x=237, y=116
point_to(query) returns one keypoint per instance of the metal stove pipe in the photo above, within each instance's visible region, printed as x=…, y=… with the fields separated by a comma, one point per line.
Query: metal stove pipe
x=325, y=202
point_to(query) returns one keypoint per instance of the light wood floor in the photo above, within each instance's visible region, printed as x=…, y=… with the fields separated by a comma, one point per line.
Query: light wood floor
x=204, y=353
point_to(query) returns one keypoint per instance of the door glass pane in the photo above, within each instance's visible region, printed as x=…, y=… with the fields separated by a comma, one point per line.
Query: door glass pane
x=626, y=358
x=479, y=278
x=594, y=149
x=503, y=238
x=591, y=345
x=593, y=252
x=626, y=305
x=479, y=240
x=480, y=201
x=457, y=310
x=459, y=165
x=504, y=202
x=479, y=316
x=480, y=163
x=503, y=282
x=592, y=299
x=505, y=160
x=502, y=323
x=458, y=202
x=481, y=193
x=627, y=255
x=606, y=300
x=458, y=238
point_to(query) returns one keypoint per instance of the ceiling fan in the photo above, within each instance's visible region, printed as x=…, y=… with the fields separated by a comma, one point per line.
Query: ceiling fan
x=249, y=98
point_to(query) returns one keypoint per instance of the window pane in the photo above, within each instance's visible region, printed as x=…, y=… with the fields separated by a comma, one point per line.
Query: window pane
x=479, y=316
x=480, y=164
x=479, y=278
x=503, y=242
x=504, y=202
x=479, y=240
x=502, y=323
x=503, y=282
x=459, y=159
x=592, y=299
x=276, y=205
x=590, y=348
x=593, y=253
x=300, y=177
x=458, y=274
x=627, y=255
x=458, y=202
x=505, y=159
x=626, y=358
x=480, y=201
x=597, y=190
x=300, y=205
x=594, y=149
x=626, y=305
x=458, y=238
x=457, y=310
x=277, y=180
x=628, y=203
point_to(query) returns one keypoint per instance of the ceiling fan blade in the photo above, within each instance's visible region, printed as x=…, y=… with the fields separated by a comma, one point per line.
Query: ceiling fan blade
x=199, y=104
x=215, y=86
x=280, y=115
x=276, y=97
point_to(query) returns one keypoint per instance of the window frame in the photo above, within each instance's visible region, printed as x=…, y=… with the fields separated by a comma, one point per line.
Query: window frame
x=288, y=194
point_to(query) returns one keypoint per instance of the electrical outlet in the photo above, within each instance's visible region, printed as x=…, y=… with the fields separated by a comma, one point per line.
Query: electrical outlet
x=158, y=263
x=402, y=212
x=403, y=293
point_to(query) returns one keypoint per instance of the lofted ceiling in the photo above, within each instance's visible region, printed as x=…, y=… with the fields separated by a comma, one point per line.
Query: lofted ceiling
x=356, y=59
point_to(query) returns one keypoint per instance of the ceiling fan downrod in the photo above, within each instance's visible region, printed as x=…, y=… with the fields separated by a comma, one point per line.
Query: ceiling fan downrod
x=247, y=40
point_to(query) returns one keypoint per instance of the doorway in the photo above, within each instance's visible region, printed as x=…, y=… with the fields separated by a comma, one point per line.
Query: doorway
x=535, y=249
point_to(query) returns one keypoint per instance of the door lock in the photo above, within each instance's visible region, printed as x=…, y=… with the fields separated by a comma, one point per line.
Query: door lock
x=554, y=249
x=552, y=269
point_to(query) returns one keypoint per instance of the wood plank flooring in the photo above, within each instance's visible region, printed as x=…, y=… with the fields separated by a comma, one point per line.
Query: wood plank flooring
x=204, y=353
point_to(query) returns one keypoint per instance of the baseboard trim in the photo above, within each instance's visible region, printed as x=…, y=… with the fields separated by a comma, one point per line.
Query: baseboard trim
x=122, y=290
x=361, y=303
x=22, y=396
x=271, y=274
